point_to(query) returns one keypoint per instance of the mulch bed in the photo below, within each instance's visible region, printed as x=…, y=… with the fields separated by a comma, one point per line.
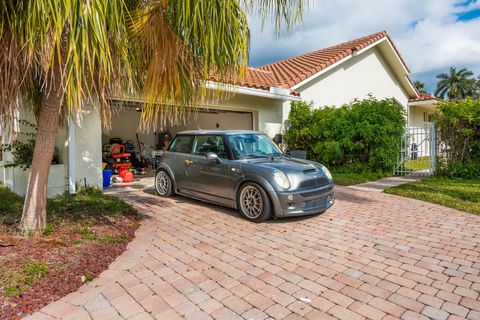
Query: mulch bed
x=35, y=272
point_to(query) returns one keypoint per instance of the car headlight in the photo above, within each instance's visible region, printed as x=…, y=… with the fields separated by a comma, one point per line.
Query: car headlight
x=281, y=179
x=327, y=173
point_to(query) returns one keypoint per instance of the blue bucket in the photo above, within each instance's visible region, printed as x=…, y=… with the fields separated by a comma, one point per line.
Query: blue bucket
x=107, y=177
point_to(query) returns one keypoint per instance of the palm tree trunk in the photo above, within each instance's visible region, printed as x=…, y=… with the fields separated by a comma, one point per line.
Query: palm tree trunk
x=34, y=209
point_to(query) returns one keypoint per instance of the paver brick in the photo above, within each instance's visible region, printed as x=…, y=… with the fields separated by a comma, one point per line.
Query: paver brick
x=434, y=313
x=277, y=311
x=430, y=301
x=387, y=306
x=344, y=313
x=367, y=311
x=255, y=314
x=300, y=307
x=236, y=304
x=372, y=255
x=405, y=302
x=453, y=308
x=338, y=298
x=410, y=315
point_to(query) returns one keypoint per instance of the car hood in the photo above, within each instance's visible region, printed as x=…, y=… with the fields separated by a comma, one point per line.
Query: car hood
x=285, y=164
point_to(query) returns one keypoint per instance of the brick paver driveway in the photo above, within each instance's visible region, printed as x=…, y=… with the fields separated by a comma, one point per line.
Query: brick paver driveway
x=372, y=256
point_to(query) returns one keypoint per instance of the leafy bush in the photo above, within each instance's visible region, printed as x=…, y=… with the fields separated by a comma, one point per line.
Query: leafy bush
x=458, y=124
x=363, y=135
x=22, y=149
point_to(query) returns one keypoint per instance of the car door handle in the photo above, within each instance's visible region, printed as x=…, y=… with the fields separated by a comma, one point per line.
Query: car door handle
x=188, y=162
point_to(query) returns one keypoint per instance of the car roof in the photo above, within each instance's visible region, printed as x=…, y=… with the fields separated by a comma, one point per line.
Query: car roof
x=218, y=132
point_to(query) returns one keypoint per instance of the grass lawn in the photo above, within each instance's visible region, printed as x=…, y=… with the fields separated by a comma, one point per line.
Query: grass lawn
x=421, y=163
x=456, y=193
x=84, y=234
x=350, y=178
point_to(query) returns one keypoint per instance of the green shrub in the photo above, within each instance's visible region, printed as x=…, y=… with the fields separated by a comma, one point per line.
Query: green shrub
x=363, y=135
x=22, y=148
x=458, y=124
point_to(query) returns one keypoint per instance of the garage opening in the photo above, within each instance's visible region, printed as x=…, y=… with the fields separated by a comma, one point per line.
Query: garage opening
x=144, y=148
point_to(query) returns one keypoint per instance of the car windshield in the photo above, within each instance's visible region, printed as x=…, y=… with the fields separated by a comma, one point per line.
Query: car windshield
x=253, y=146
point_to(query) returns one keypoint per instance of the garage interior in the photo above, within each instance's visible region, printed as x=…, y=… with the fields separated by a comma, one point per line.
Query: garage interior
x=144, y=147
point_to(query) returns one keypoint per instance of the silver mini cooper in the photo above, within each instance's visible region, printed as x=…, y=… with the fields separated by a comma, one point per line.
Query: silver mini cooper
x=244, y=170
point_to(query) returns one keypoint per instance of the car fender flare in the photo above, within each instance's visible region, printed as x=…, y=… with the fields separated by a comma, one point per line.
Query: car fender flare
x=166, y=168
x=253, y=178
x=265, y=185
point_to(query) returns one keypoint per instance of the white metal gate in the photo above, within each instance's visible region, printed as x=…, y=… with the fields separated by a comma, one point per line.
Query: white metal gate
x=418, y=152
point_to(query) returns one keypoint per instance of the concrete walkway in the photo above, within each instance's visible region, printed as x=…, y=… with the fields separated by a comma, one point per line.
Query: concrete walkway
x=382, y=184
x=371, y=256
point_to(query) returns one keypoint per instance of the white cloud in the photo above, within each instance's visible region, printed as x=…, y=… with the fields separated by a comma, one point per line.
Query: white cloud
x=428, y=33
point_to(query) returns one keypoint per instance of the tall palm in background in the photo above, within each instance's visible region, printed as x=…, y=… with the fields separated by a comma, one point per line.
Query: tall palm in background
x=455, y=84
x=76, y=52
x=420, y=86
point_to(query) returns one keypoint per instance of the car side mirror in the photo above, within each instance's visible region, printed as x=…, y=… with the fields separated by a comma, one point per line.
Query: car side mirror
x=213, y=157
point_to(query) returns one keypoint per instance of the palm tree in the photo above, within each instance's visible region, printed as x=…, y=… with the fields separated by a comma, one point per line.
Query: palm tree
x=71, y=52
x=420, y=86
x=455, y=84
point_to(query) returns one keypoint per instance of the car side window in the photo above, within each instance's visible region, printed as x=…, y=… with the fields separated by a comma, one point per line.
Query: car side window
x=204, y=144
x=181, y=144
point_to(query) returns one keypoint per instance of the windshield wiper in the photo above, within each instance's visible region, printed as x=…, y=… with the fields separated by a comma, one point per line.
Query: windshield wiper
x=277, y=154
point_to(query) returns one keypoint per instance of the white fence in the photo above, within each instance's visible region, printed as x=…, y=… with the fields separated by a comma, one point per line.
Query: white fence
x=418, y=152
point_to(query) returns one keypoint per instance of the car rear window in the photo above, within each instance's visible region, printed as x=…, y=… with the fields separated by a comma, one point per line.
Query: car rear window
x=181, y=144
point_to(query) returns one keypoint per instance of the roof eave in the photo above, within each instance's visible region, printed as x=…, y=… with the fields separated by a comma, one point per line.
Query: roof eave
x=423, y=102
x=272, y=93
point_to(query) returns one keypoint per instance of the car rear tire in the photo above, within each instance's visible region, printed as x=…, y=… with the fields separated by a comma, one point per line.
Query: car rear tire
x=163, y=184
x=253, y=202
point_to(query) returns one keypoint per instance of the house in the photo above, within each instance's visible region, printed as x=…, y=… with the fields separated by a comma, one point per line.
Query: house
x=333, y=76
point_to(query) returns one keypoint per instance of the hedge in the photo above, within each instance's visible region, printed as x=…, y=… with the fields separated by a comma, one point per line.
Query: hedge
x=363, y=136
x=458, y=123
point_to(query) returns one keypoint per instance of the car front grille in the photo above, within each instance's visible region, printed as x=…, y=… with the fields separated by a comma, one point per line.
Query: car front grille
x=314, y=183
x=316, y=203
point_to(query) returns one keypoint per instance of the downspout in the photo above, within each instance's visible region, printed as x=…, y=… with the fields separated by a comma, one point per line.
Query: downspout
x=72, y=160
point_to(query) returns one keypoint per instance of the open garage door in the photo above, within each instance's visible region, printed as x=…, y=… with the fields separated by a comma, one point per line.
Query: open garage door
x=126, y=121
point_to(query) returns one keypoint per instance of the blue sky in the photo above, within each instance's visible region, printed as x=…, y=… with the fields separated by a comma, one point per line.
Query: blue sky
x=431, y=35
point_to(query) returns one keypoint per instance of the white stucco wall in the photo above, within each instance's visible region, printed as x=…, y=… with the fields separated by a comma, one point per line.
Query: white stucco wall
x=17, y=179
x=418, y=113
x=267, y=113
x=356, y=78
x=88, y=148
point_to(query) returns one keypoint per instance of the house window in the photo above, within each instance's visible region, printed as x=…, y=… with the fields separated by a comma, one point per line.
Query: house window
x=427, y=117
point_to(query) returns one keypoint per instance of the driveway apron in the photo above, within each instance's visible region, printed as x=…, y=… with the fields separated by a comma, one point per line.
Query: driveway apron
x=372, y=256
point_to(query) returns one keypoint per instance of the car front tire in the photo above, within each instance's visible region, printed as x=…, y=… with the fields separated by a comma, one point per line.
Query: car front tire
x=253, y=202
x=163, y=184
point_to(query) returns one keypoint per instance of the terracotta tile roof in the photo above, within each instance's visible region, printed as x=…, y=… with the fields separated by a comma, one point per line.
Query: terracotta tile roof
x=256, y=79
x=422, y=96
x=289, y=72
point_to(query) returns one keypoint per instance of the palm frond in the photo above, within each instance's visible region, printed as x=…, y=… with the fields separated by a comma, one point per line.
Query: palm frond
x=164, y=51
x=284, y=13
